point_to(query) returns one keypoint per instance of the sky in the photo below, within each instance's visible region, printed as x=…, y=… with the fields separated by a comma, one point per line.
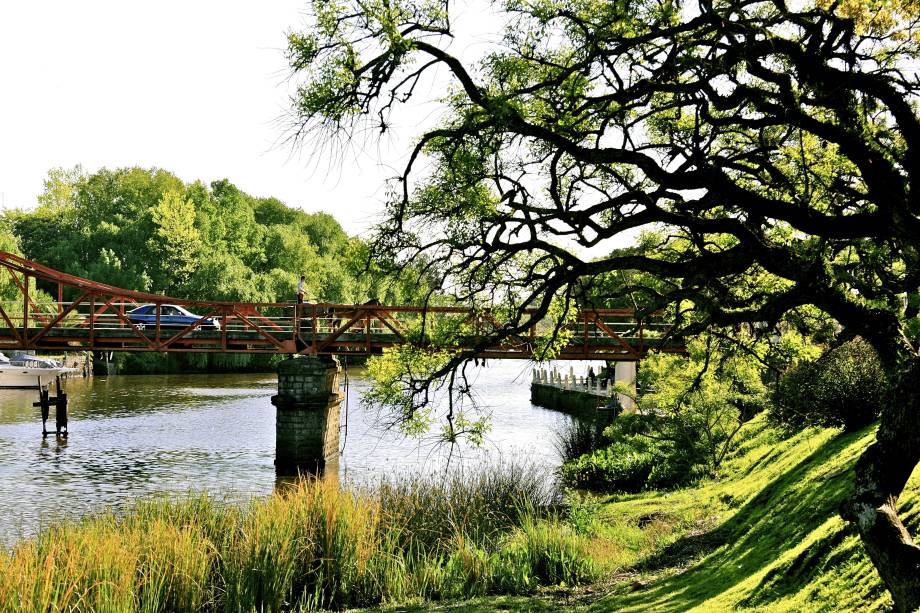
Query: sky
x=197, y=88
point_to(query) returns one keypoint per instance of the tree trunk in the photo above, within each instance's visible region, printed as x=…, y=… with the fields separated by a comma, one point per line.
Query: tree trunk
x=881, y=474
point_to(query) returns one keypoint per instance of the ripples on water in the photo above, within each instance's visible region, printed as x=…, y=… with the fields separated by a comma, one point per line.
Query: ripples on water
x=133, y=436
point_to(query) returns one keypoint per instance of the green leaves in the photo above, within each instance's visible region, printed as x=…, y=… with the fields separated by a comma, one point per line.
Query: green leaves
x=393, y=376
x=176, y=243
x=147, y=230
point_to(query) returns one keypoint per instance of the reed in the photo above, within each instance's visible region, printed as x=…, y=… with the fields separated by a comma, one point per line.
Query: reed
x=481, y=504
x=577, y=437
x=310, y=546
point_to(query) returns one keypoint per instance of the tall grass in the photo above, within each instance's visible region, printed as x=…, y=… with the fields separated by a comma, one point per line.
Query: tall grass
x=311, y=546
x=577, y=438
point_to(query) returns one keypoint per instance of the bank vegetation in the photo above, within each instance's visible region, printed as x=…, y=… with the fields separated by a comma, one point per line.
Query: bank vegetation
x=312, y=545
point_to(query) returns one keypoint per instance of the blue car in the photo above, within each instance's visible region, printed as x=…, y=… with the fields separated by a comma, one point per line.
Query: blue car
x=171, y=316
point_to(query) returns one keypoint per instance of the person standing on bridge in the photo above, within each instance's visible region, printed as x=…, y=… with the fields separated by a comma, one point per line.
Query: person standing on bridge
x=300, y=289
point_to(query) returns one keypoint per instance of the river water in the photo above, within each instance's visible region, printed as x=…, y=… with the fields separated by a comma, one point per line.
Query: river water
x=133, y=436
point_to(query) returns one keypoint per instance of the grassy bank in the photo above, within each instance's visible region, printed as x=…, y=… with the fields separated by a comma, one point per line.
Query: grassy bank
x=309, y=547
x=765, y=537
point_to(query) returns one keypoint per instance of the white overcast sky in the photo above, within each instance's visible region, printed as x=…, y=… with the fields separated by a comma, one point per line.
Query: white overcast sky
x=197, y=88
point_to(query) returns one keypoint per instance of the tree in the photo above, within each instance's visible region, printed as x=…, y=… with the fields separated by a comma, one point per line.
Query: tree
x=176, y=242
x=60, y=186
x=771, y=139
x=699, y=402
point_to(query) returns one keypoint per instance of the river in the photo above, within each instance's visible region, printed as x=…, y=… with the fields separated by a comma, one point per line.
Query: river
x=133, y=436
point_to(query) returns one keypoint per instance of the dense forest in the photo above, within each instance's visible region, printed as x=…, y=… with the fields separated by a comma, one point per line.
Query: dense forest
x=146, y=229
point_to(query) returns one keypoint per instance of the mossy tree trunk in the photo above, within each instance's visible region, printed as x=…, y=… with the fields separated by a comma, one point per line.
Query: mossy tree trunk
x=881, y=474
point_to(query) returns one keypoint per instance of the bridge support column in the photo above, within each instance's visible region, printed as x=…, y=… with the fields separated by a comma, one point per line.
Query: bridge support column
x=307, y=414
x=625, y=372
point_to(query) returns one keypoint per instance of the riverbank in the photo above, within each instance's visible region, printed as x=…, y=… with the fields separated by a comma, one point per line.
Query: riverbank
x=310, y=546
x=132, y=437
x=765, y=537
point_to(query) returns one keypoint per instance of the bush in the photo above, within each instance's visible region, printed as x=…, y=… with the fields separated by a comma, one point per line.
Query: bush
x=619, y=467
x=672, y=470
x=688, y=420
x=843, y=388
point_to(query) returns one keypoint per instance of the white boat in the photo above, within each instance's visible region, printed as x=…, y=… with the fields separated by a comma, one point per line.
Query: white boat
x=30, y=371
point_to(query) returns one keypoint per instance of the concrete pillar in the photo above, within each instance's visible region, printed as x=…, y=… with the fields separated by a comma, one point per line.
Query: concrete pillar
x=625, y=372
x=307, y=414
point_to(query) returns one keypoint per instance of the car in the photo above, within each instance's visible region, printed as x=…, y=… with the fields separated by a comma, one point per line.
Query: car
x=171, y=316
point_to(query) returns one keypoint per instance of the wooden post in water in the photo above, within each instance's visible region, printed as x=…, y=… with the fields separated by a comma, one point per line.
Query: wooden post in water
x=44, y=404
x=45, y=399
x=60, y=410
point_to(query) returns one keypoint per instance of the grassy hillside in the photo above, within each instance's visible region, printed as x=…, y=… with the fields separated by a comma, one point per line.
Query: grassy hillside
x=766, y=537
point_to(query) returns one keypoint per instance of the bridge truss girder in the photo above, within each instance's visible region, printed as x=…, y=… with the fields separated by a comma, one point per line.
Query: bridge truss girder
x=96, y=319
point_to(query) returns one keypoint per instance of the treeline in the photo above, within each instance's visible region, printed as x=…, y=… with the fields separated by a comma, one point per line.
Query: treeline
x=146, y=229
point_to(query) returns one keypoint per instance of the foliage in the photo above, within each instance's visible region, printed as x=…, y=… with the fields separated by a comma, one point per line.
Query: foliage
x=846, y=387
x=158, y=233
x=402, y=393
x=580, y=127
x=689, y=417
x=176, y=244
x=618, y=467
x=775, y=144
x=148, y=230
x=310, y=546
x=699, y=402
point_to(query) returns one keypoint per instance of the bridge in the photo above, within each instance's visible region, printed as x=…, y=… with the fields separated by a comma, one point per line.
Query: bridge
x=98, y=317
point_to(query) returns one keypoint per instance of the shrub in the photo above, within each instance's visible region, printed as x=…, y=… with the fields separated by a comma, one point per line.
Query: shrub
x=619, y=467
x=692, y=411
x=843, y=388
x=672, y=469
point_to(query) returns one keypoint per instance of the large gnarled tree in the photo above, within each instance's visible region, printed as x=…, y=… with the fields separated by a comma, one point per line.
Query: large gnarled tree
x=775, y=140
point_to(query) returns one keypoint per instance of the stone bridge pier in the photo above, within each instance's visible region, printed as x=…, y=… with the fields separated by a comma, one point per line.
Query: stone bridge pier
x=307, y=415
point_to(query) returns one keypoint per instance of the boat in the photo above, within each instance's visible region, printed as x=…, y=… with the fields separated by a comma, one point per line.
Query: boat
x=29, y=371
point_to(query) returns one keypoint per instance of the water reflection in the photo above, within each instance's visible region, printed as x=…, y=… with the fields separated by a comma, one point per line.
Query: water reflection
x=132, y=436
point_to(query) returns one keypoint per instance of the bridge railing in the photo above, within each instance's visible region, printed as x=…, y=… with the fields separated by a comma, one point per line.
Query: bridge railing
x=99, y=320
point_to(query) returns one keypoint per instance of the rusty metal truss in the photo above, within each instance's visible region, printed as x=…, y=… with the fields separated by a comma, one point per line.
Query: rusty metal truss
x=95, y=318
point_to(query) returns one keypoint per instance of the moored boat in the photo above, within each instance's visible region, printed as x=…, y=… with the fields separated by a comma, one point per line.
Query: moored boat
x=30, y=371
